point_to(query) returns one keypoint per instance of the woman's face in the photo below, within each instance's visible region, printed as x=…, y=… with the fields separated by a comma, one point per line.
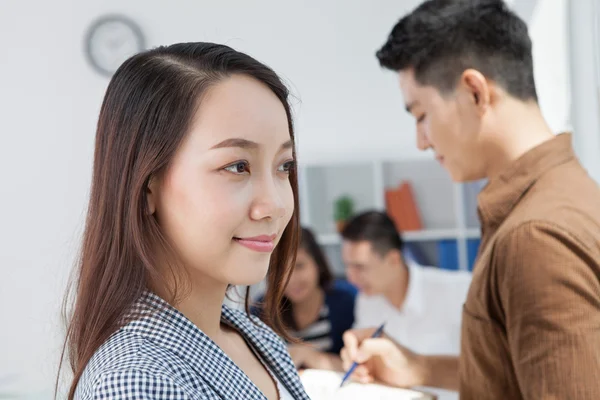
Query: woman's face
x=226, y=198
x=304, y=280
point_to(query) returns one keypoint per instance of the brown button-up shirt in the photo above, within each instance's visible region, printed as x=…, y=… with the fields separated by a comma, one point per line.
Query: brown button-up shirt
x=531, y=320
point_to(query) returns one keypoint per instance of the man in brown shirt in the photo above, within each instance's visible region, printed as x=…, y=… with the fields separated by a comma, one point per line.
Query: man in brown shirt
x=531, y=320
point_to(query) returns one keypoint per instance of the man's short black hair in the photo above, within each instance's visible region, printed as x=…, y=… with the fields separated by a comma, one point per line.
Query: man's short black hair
x=376, y=228
x=440, y=39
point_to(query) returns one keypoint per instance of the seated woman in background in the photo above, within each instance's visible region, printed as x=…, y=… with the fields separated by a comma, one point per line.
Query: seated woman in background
x=316, y=308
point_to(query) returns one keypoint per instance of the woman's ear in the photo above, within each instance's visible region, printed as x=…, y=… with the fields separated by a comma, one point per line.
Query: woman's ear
x=151, y=194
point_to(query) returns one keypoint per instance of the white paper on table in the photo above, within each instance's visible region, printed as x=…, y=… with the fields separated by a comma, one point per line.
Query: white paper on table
x=325, y=385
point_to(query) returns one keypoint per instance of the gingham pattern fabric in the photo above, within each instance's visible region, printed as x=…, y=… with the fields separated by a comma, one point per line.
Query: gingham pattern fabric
x=162, y=355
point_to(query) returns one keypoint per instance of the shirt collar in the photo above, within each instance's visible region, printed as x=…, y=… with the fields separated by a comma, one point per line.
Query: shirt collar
x=503, y=192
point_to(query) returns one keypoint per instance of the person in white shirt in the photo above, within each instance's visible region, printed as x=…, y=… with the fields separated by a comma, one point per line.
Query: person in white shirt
x=420, y=306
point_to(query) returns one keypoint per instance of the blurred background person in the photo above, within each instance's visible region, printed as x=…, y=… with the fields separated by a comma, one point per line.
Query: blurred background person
x=317, y=308
x=420, y=306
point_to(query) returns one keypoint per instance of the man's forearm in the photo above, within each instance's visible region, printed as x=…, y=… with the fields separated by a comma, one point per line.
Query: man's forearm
x=440, y=372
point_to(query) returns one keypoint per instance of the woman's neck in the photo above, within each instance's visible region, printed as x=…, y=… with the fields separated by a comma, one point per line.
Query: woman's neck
x=202, y=305
x=307, y=311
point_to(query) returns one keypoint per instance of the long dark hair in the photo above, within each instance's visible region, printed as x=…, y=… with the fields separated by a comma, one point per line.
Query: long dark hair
x=147, y=110
x=309, y=244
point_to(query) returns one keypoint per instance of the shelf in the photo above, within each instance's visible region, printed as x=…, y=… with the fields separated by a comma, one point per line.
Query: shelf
x=473, y=233
x=448, y=210
x=413, y=236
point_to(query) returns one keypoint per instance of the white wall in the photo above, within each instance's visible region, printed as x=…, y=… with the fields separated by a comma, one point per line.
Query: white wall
x=549, y=29
x=585, y=69
x=49, y=100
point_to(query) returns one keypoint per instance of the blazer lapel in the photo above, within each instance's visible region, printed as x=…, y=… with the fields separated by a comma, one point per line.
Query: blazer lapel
x=272, y=351
x=164, y=325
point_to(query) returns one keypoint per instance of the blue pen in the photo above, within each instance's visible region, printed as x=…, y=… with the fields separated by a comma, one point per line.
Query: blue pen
x=377, y=333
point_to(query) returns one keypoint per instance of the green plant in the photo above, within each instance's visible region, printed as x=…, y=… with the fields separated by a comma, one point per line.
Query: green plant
x=343, y=208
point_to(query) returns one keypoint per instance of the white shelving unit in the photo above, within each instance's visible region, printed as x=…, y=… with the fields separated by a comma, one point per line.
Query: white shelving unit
x=447, y=209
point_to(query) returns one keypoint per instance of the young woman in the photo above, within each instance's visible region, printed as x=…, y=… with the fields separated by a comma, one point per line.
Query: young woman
x=193, y=190
x=316, y=309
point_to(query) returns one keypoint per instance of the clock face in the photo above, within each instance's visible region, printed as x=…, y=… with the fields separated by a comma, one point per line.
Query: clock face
x=110, y=41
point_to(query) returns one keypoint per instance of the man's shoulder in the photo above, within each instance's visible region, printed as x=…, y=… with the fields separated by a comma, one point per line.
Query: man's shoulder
x=370, y=301
x=545, y=253
x=568, y=228
x=434, y=278
x=450, y=286
x=435, y=274
x=564, y=200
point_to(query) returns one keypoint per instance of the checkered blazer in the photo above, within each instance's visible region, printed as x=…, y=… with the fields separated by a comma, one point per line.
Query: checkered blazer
x=162, y=355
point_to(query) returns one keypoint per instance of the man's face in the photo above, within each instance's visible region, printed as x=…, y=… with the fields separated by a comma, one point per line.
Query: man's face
x=450, y=125
x=366, y=269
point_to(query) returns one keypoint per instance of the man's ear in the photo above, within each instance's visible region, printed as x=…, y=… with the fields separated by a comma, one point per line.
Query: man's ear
x=394, y=257
x=151, y=194
x=478, y=87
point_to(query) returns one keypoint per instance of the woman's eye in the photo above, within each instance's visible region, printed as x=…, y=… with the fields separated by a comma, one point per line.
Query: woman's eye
x=286, y=167
x=240, y=167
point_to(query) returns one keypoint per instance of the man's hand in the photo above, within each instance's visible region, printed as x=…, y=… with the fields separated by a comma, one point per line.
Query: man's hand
x=381, y=359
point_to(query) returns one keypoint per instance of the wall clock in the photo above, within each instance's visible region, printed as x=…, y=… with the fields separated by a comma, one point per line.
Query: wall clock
x=111, y=40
